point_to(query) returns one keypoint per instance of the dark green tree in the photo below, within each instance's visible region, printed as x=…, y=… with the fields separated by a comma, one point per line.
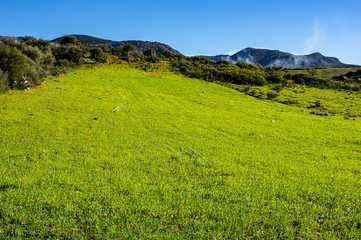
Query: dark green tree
x=117, y=51
x=70, y=52
x=131, y=53
x=22, y=71
x=129, y=48
x=99, y=55
x=33, y=53
x=68, y=39
x=150, y=55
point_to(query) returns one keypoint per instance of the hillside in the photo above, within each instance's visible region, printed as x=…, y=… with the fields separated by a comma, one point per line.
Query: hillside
x=113, y=152
x=268, y=58
x=141, y=45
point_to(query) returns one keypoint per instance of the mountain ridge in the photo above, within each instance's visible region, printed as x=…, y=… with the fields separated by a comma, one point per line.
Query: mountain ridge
x=141, y=45
x=269, y=58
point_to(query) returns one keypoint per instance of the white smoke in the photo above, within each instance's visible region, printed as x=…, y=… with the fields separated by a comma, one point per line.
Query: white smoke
x=317, y=38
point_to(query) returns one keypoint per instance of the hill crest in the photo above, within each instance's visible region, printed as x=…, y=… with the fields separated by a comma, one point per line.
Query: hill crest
x=141, y=45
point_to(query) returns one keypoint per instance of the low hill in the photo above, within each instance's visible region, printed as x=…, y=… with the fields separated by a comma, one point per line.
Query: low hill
x=141, y=45
x=268, y=58
x=113, y=152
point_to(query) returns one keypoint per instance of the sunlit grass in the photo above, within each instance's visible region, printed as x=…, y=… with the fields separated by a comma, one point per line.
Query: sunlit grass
x=114, y=152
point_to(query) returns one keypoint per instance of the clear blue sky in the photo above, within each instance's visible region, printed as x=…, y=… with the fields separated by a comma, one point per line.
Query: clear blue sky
x=198, y=27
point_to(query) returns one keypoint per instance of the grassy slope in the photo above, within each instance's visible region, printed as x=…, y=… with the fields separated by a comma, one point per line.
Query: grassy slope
x=70, y=167
x=325, y=73
x=335, y=102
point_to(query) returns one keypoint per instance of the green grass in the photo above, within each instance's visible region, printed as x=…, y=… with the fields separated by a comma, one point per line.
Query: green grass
x=325, y=73
x=334, y=102
x=103, y=153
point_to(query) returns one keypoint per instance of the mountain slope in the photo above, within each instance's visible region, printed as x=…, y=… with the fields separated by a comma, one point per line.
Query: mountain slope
x=141, y=45
x=268, y=58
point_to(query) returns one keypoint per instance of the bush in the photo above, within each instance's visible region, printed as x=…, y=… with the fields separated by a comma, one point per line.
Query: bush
x=33, y=53
x=272, y=95
x=70, y=52
x=312, y=81
x=57, y=70
x=278, y=87
x=290, y=101
x=117, y=51
x=68, y=39
x=246, y=66
x=203, y=68
x=48, y=59
x=104, y=48
x=131, y=54
x=166, y=55
x=11, y=41
x=318, y=113
x=4, y=82
x=150, y=55
x=233, y=74
x=129, y=48
x=99, y=55
x=318, y=103
x=22, y=71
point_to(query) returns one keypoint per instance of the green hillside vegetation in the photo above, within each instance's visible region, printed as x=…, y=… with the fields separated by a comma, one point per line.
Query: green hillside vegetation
x=25, y=64
x=324, y=73
x=116, y=152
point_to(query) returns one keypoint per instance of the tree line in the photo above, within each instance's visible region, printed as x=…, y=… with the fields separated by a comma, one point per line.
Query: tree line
x=25, y=63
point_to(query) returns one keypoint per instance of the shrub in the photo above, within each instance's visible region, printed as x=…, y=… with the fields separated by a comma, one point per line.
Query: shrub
x=278, y=87
x=11, y=41
x=57, y=70
x=290, y=101
x=129, y=48
x=4, y=81
x=22, y=71
x=318, y=103
x=48, y=59
x=150, y=55
x=33, y=53
x=166, y=54
x=99, y=55
x=68, y=39
x=318, y=113
x=70, y=52
x=117, y=51
x=131, y=53
x=272, y=95
x=246, y=66
x=103, y=47
x=203, y=68
x=233, y=74
x=312, y=81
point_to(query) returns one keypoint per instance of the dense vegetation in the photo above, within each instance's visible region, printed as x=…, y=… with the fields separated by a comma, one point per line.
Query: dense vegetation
x=24, y=64
x=156, y=155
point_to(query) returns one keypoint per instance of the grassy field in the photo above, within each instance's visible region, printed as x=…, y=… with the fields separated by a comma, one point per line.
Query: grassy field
x=115, y=152
x=325, y=73
x=330, y=102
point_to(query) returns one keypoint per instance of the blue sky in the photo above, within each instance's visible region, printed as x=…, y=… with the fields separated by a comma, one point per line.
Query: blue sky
x=198, y=27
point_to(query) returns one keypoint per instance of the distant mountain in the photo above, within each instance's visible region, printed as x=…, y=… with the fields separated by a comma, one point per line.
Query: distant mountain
x=141, y=45
x=269, y=58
